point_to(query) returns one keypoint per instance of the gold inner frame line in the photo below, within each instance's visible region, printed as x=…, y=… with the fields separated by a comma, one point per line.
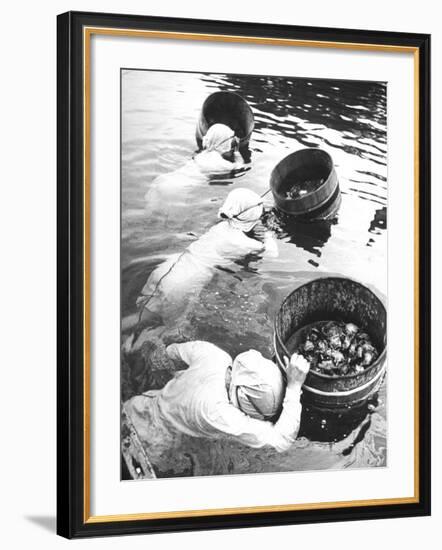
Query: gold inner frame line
x=87, y=33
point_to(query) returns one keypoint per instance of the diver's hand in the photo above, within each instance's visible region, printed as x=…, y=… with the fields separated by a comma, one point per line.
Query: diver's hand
x=297, y=369
x=259, y=232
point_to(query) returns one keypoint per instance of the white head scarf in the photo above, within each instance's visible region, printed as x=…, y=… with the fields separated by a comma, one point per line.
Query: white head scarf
x=256, y=386
x=243, y=208
x=218, y=138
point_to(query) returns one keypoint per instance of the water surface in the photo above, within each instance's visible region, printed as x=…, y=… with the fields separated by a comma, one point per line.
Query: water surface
x=236, y=309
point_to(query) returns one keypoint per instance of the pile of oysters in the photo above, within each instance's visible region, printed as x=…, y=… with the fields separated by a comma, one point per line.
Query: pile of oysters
x=337, y=348
x=300, y=189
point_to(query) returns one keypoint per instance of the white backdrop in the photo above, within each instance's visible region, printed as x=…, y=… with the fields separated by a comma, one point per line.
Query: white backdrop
x=27, y=219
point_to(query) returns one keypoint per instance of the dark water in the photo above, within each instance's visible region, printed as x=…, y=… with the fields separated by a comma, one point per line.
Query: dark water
x=236, y=309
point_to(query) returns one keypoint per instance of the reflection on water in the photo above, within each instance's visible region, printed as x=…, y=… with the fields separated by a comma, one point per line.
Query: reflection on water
x=236, y=309
x=306, y=235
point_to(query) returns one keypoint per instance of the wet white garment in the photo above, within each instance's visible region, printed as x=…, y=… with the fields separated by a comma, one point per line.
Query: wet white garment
x=168, y=202
x=169, y=198
x=182, y=276
x=211, y=162
x=196, y=402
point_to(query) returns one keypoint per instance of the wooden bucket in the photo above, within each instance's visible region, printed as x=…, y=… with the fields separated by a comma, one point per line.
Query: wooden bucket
x=226, y=108
x=339, y=299
x=320, y=201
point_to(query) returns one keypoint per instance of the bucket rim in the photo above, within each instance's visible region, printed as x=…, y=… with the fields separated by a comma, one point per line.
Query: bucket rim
x=202, y=121
x=227, y=92
x=347, y=392
x=318, y=206
x=294, y=153
x=376, y=363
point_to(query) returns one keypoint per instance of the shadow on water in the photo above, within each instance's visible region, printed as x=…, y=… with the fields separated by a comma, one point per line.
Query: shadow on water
x=310, y=236
x=379, y=222
x=227, y=178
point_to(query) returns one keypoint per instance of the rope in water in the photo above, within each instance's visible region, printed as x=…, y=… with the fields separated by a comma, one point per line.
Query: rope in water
x=150, y=296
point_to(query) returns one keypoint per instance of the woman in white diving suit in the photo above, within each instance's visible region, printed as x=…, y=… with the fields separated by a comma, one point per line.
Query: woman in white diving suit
x=170, y=195
x=177, y=282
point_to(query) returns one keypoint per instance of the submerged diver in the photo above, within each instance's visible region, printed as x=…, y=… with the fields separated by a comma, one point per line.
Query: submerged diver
x=245, y=400
x=167, y=194
x=177, y=281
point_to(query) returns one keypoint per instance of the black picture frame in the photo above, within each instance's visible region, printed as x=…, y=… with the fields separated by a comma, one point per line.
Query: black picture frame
x=72, y=521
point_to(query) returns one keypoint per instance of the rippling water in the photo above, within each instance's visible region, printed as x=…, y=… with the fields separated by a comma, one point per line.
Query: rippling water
x=236, y=309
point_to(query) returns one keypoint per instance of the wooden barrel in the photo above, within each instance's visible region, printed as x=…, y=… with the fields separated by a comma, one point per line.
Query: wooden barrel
x=312, y=172
x=226, y=108
x=338, y=299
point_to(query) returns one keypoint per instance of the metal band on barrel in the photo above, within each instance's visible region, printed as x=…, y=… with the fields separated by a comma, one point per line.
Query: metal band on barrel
x=334, y=393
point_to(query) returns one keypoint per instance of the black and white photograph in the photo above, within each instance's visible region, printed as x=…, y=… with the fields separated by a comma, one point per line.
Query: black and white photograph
x=221, y=214
x=253, y=274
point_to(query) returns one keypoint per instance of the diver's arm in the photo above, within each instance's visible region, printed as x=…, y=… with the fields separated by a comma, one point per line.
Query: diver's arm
x=270, y=244
x=263, y=235
x=288, y=423
x=286, y=429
